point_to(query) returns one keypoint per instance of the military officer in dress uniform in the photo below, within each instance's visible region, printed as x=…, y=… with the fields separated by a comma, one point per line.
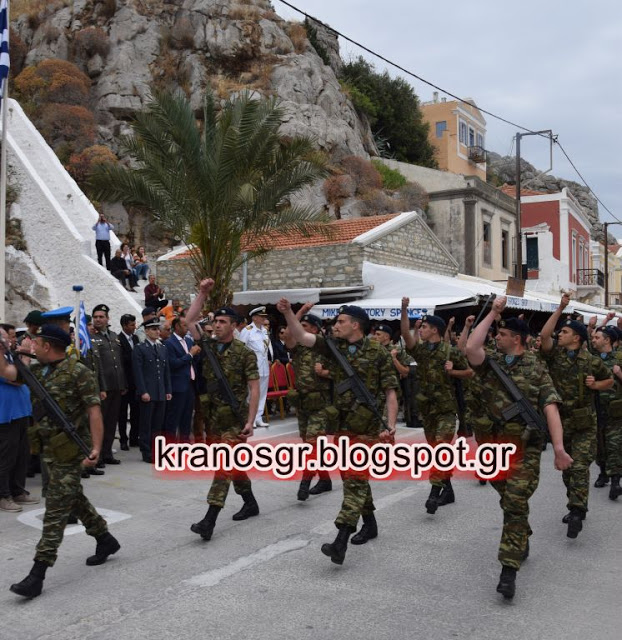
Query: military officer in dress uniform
x=255, y=336
x=152, y=378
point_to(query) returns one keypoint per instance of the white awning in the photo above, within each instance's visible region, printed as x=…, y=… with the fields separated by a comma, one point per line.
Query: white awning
x=297, y=296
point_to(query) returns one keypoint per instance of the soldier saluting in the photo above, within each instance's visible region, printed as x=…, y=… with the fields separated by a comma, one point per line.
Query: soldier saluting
x=372, y=363
x=529, y=374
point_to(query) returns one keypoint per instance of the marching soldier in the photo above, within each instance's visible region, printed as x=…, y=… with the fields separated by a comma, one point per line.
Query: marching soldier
x=239, y=366
x=577, y=375
x=312, y=397
x=438, y=365
x=73, y=387
x=371, y=362
x=531, y=377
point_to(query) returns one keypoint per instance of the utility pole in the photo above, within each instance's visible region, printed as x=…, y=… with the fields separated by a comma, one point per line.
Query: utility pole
x=606, y=243
x=519, y=235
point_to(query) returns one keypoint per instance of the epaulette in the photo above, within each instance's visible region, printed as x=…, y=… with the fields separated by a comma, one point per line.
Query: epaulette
x=249, y=326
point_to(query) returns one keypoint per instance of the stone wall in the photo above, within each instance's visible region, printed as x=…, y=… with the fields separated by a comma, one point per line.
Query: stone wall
x=411, y=246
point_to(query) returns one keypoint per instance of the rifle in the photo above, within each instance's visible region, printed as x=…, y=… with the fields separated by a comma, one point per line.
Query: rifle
x=46, y=406
x=222, y=387
x=521, y=407
x=354, y=383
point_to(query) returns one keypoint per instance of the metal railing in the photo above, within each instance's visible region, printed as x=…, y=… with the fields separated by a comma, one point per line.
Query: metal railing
x=590, y=278
x=477, y=154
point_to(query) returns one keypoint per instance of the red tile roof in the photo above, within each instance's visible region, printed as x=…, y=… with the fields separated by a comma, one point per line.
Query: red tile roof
x=510, y=190
x=342, y=232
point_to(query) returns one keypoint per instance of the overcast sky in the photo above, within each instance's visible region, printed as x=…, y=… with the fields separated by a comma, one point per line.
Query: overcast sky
x=547, y=64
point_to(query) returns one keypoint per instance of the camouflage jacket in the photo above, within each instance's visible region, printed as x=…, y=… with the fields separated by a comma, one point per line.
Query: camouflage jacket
x=90, y=361
x=238, y=363
x=303, y=361
x=529, y=374
x=372, y=363
x=569, y=372
x=434, y=383
x=74, y=388
x=610, y=360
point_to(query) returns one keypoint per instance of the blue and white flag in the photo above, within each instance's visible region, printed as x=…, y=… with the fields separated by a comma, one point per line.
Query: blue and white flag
x=4, y=44
x=83, y=332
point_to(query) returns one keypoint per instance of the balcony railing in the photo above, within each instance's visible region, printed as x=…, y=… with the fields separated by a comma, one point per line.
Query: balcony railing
x=590, y=278
x=477, y=154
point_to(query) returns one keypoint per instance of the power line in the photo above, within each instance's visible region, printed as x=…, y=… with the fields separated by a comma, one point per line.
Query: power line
x=449, y=93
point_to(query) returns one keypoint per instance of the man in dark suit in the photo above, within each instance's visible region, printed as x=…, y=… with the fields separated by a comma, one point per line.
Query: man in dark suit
x=183, y=360
x=128, y=341
x=152, y=378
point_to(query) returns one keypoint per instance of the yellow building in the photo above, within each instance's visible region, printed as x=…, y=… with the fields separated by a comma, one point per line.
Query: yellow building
x=458, y=131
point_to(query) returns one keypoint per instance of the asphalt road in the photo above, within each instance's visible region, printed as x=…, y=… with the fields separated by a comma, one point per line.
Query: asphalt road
x=425, y=576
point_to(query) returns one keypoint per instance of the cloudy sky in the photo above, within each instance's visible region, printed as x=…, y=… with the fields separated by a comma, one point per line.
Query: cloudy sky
x=547, y=64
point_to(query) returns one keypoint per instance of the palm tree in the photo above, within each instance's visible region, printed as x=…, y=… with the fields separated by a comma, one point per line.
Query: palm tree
x=216, y=183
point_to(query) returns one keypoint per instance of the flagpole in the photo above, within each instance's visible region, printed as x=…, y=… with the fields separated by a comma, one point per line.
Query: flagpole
x=3, y=156
x=76, y=316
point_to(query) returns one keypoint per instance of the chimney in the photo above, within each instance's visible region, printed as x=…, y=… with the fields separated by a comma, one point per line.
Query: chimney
x=443, y=99
x=435, y=97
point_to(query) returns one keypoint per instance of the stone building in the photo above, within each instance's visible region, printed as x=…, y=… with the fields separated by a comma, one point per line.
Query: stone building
x=399, y=240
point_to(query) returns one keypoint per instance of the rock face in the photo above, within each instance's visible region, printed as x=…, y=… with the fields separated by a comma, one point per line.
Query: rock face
x=505, y=169
x=232, y=45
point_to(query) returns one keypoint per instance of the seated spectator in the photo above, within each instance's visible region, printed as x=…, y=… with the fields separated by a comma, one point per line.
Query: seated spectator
x=279, y=349
x=154, y=296
x=141, y=264
x=118, y=268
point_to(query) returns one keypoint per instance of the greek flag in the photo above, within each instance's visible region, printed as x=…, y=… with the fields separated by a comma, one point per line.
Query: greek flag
x=4, y=44
x=83, y=332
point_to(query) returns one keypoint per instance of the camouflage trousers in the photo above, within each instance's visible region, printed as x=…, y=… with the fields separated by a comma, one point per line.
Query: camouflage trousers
x=222, y=479
x=312, y=425
x=581, y=446
x=64, y=495
x=609, y=456
x=520, y=484
x=439, y=428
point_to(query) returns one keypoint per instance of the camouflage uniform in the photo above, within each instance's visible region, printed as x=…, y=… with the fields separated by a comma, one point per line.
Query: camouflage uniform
x=568, y=371
x=610, y=410
x=532, y=378
x=373, y=365
x=74, y=388
x=239, y=364
x=437, y=398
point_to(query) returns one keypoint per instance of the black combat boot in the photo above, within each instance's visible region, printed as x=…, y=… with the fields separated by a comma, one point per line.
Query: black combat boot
x=249, y=508
x=615, y=490
x=507, y=582
x=336, y=551
x=368, y=531
x=323, y=484
x=566, y=518
x=303, y=489
x=602, y=480
x=447, y=494
x=107, y=544
x=205, y=527
x=431, y=504
x=32, y=585
x=525, y=552
x=575, y=522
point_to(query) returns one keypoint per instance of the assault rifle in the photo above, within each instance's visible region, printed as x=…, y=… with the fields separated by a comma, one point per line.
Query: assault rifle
x=221, y=385
x=45, y=405
x=521, y=407
x=353, y=382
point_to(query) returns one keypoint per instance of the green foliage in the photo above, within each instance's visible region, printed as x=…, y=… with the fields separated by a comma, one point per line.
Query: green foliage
x=216, y=187
x=392, y=179
x=394, y=112
x=315, y=43
x=361, y=101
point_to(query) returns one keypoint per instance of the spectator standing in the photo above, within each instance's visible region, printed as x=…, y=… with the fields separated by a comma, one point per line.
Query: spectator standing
x=128, y=341
x=279, y=350
x=102, y=230
x=112, y=382
x=183, y=360
x=148, y=313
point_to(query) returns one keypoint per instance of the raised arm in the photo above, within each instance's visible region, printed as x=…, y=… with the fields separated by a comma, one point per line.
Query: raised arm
x=546, y=335
x=194, y=312
x=475, y=352
x=464, y=336
x=296, y=330
x=410, y=340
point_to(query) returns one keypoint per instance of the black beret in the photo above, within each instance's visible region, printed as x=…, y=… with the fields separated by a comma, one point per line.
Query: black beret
x=610, y=332
x=147, y=311
x=358, y=313
x=34, y=317
x=101, y=307
x=228, y=312
x=618, y=331
x=578, y=327
x=435, y=321
x=516, y=325
x=386, y=328
x=54, y=334
x=312, y=319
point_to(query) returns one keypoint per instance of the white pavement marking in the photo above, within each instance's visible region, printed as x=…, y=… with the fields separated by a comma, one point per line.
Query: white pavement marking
x=213, y=577
x=32, y=519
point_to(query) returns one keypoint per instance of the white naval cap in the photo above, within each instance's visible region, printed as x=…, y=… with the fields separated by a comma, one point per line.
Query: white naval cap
x=257, y=310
